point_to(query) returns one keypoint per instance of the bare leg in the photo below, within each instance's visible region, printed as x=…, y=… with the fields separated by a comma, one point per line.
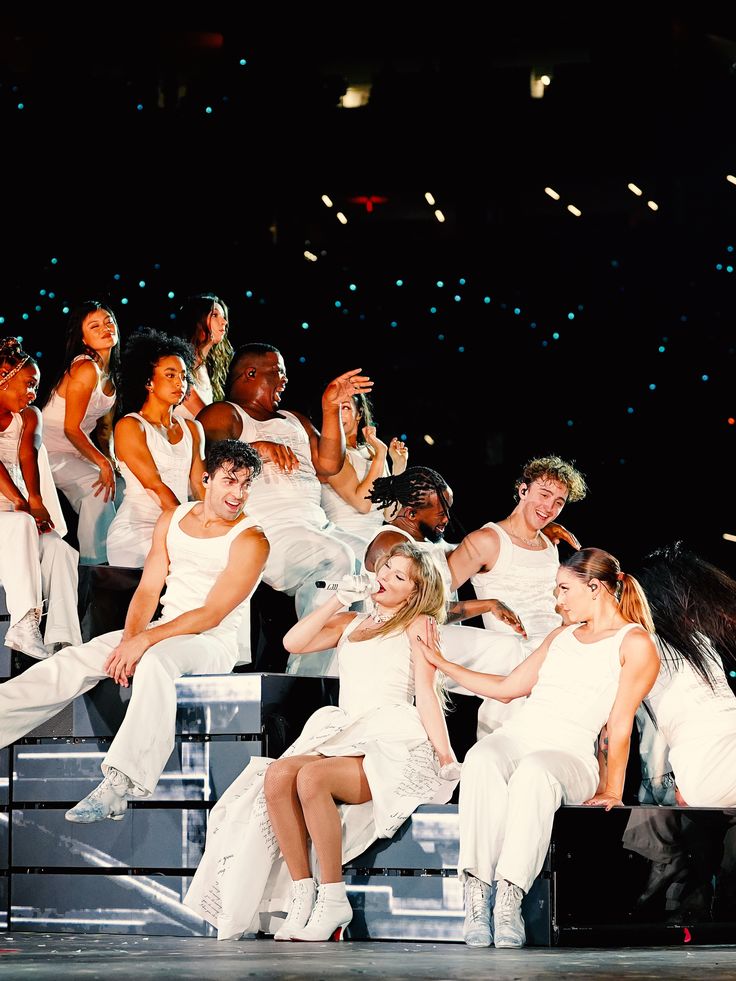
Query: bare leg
x=286, y=815
x=320, y=783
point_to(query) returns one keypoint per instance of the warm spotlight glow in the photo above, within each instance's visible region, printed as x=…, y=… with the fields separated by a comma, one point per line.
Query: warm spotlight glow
x=552, y=193
x=545, y=80
x=310, y=255
x=356, y=96
x=731, y=178
x=729, y=538
x=574, y=211
x=635, y=190
x=428, y=439
x=341, y=218
x=653, y=205
x=429, y=198
x=439, y=216
x=327, y=201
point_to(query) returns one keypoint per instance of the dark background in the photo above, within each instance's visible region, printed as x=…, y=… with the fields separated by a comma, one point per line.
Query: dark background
x=182, y=199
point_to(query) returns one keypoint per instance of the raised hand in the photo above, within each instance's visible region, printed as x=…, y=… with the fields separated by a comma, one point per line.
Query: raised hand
x=377, y=445
x=342, y=388
x=558, y=533
x=356, y=588
x=398, y=452
x=506, y=615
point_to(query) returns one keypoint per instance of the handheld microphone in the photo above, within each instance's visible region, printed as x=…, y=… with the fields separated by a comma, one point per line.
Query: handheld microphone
x=366, y=581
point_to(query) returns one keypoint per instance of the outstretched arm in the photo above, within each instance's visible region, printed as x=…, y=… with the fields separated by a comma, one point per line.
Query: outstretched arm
x=427, y=699
x=639, y=670
x=346, y=482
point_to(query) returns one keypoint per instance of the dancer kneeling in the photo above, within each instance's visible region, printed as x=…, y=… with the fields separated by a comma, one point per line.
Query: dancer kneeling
x=594, y=672
x=383, y=752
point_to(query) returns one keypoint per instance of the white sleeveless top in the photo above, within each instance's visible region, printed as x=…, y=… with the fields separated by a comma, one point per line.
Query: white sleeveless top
x=194, y=565
x=524, y=579
x=54, y=411
x=173, y=462
x=10, y=457
x=375, y=672
x=340, y=512
x=574, y=694
x=203, y=387
x=278, y=498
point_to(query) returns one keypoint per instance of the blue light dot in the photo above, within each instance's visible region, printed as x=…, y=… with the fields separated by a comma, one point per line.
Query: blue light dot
x=580, y=307
x=249, y=294
x=440, y=337
x=615, y=263
x=302, y=360
x=2, y=320
x=208, y=110
x=719, y=266
x=440, y=283
x=433, y=309
x=461, y=282
x=399, y=282
x=142, y=283
x=116, y=276
x=729, y=269
x=157, y=265
x=242, y=62
x=124, y=300
x=570, y=422
x=533, y=325
x=37, y=307
x=704, y=378
x=20, y=339
x=139, y=107
x=171, y=294
x=39, y=354
x=42, y=292
x=545, y=343
x=683, y=318
x=555, y=336
x=52, y=295
x=403, y=437
x=24, y=316
x=346, y=310
x=732, y=674
x=172, y=316
x=457, y=298
x=652, y=386
x=394, y=323
x=461, y=349
x=661, y=348
x=630, y=410
x=729, y=248
x=54, y=262
x=338, y=304
x=517, y=310
x=65, y=309
x=305, y=325
x=21, y=105
x=486, y=299
x=571, y=316
x=352, y=287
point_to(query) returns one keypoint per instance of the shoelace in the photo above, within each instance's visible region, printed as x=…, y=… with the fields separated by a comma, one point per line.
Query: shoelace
x=508, y=902
x=479, y=909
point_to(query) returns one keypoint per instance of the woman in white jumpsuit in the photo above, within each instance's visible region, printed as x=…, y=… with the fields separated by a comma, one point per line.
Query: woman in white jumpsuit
x=592, y=673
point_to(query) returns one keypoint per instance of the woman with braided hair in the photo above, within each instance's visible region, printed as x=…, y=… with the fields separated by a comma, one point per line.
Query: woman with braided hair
x=34, y=561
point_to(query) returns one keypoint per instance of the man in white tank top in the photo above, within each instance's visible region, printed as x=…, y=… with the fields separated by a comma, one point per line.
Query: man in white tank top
x=209, y=555
x=305, y=545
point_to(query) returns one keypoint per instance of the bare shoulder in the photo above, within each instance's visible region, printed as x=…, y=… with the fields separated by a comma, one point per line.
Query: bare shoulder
x=84, y=371
x=253, y=538
x=217, y=412
x=32, y=418
x=638, y=645
x=129, y=426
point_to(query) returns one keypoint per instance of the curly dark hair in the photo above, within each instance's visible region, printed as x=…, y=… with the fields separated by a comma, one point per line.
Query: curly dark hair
x=410, y=489
x=235, y=452
x=13, y=355
x=142, y=353
x=554, y=468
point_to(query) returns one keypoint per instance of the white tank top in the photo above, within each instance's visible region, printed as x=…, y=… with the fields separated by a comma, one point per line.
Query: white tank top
x=203, y=387
x=341, y=513
x=686, y=708
x=194, y=565
x=524, y=579
x=574, y=694
x=10, y=457
x=173, y=462
x=54, y=411
x=278, y=498
x=374, y=672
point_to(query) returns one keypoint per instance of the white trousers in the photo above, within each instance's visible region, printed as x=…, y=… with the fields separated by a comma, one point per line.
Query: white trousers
x=74, y=477
x=509, y=792
x=145, y=740
x=300, y=555
x=20, y=564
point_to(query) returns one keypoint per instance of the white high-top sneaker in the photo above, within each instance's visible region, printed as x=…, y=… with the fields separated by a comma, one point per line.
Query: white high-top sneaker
x=107, y=800
x=508, y=923
x=303, y=895
x=478, y=930
x=331, y=914
x=25, y=636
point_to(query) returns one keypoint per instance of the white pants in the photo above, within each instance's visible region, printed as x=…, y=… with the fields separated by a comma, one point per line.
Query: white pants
x=20, y=565
x=74, y=477
x=145, y=740
x=300, y=555
x=490, y=653
x=509, y=792
x=59, y=584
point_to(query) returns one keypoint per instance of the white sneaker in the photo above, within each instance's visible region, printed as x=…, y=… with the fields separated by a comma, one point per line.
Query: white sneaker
x=25, y=636
x=303, y=895
x=478, y=930
x=508, y=924
x=107, y=800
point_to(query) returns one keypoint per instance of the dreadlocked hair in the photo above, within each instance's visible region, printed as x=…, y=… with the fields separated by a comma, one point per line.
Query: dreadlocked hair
x=409, y=489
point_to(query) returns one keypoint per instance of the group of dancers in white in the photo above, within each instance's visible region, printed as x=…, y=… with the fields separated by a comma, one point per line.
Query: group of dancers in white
x=224, y=489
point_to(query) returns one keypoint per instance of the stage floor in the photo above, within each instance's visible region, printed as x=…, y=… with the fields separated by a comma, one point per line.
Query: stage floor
x=58, y=956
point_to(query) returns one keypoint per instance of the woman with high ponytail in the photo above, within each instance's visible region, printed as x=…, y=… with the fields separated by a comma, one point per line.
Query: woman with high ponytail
x=590, y=673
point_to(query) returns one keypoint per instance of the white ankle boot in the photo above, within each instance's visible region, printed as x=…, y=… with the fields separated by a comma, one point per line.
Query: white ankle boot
x=303, y=895
x=25, y=636
x=331, y=914
x=108, y=800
